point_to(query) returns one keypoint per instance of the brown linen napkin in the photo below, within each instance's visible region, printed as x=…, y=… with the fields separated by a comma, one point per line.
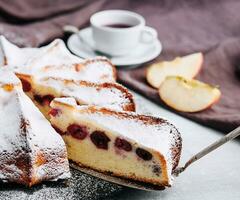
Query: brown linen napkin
x=33, y=23
x=184, y=27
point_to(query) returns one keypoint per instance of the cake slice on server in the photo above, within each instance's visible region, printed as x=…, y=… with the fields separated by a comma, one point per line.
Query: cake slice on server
x=125, y=144
x=43, y=90
x=30, y=149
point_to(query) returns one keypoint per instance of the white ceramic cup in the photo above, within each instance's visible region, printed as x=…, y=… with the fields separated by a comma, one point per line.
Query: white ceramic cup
x=119, y=41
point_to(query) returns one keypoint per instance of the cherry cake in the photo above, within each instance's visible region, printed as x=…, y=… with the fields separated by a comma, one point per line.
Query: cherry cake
x=124, y=144
x=43, y=90
x=30, y=149
x=97, y=70
x=55, y=60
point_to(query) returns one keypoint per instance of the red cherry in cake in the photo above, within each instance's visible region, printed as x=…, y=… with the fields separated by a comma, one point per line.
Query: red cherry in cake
x=26, y=85
x=43, y=100
x=78, y=103
x=123, y=144
x=142, y=153
x=46, y=99
x=58, y=130
x=38, y=98
x=54, y=112
x=100, y=139
x=77, y=131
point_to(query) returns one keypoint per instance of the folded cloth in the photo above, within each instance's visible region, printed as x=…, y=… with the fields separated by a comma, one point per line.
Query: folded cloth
x=184, y=27
x=33, y=23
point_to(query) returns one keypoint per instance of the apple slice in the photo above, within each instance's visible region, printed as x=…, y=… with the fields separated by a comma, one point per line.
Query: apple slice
x=186, y=66
x=188, y=95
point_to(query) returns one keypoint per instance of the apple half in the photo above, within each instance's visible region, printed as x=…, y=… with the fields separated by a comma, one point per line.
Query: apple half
x=188, y=95
x=186, y=66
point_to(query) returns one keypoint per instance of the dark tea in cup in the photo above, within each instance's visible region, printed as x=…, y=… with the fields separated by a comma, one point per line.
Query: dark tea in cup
x=118, y=25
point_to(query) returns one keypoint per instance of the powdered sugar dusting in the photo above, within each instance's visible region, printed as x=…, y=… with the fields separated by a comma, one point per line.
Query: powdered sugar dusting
x=30, y=148
x=111, y=95
x=8, y=78
x=12, y=55
x=95, y=70
x=54, y=60
x=56, y=53
x=99, y=69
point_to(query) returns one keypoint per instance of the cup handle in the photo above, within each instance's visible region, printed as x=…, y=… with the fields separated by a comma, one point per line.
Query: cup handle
x=148, y=35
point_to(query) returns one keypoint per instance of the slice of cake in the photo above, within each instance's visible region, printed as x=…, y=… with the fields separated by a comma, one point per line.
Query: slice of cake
x=55, y=60
x=42, y=91
x=30, y=149
x=124, y=144
x=54, y=53
x=97, y=70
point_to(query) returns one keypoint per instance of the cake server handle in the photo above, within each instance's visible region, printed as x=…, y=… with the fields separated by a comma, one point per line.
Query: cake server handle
x=230, y=136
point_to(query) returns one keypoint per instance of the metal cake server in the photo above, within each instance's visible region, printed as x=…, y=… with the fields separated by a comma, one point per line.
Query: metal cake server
x=230, y=136
x=151, y=187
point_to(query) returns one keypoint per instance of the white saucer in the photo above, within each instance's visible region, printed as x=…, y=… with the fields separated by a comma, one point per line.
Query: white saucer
x=144, y=52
